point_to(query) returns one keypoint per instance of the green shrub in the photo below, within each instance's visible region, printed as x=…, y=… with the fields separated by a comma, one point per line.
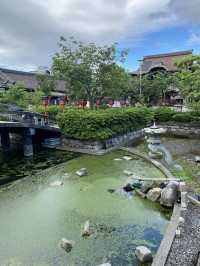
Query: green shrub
x=102, y=124
x=163, y=114
x=52, y=109
x=186, y=117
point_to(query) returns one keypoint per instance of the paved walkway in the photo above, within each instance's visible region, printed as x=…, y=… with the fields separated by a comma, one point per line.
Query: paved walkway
x=186, y=248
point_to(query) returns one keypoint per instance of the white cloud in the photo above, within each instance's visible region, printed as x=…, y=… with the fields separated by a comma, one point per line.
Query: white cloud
x=31, y=28
x=194, y=39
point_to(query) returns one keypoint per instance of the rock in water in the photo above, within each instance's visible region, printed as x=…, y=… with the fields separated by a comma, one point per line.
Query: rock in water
x=127, y=158
x=169, y=196
x=126, y=172
x=146, y=186
x=143, y=254
x=67, y=245
x=86, y=229
x=56, y=183
x=81, y=172
x=197, y=159
x=154, y=194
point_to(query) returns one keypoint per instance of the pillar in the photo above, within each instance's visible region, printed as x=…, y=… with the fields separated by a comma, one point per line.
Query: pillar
x=27, y=142
x=5, y=140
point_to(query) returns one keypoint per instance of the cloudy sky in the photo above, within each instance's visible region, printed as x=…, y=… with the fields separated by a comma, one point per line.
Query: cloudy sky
x=30, y=29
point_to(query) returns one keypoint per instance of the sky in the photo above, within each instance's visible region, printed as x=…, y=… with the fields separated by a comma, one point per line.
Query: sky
x=30, y=29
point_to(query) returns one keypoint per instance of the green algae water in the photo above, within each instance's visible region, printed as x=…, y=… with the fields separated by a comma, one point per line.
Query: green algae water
x=34, y=217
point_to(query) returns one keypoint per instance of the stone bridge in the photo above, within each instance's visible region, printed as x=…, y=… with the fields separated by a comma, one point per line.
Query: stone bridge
x=32, y=127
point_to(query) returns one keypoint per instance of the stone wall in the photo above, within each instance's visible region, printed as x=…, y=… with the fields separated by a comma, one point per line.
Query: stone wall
x=103, y=145
x=182, y=130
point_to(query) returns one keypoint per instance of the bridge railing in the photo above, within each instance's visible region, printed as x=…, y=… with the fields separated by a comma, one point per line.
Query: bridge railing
x=29, y=118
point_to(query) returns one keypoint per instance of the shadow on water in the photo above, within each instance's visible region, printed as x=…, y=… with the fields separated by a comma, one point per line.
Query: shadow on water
x=14, y=165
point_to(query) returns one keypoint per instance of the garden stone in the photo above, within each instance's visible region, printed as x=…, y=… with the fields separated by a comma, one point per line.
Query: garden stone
x=126, y=172
x=127, y=158
x=82, y=172
x=147, y=186
x=57, y=183
x=154, y=194
x=143, y=254
x=169, y=196
x=86, y=229
x=174, y=185
x=67, y=245
x=197, y=159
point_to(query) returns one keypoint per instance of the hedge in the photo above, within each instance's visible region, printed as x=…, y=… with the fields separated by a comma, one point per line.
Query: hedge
x=102, y=124
x=164, y=114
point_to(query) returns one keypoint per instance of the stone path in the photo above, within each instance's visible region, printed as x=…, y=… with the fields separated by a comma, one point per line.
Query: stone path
x=186, y=248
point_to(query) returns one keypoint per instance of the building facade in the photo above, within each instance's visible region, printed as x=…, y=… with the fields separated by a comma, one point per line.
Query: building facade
x=9, y=77
x=163, y=63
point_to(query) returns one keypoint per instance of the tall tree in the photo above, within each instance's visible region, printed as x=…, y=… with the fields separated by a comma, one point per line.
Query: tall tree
x=154, y=86
x=90, y=71
x=189, y=77
x=46, y=83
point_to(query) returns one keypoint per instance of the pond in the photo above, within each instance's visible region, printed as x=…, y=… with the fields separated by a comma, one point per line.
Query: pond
x=35, y=216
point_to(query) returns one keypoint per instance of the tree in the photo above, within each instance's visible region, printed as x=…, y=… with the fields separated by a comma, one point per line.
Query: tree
x=90, y=71
x=16, y=94
x=155, y=86
x=189, y=77
x=46, y=83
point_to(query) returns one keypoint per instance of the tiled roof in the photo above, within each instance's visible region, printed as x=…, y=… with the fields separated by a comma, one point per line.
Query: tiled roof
x=165, y=61
x=188, y=52
x=30, y=79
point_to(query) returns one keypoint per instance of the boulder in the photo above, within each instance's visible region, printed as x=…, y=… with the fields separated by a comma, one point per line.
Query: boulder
x=140, y=193
x=128, y=187
x=174, y=185
x=143, y=254
x=128, y=173
x=67, y=245
x=82, y=172
x=169, y=196
x=146, y=186
x=127, y=158
x=57, y=183
x=117, y=159
x=197, y=159
x=86, y=229
x=154, y=194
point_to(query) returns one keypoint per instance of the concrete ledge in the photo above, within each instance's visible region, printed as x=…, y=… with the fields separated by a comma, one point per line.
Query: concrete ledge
x=165, y=246
x=193, y=200
x=158, y=165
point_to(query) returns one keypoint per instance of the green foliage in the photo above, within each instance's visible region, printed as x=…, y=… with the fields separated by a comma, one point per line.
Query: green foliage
x=102, y=124
x=154, y=86
x=189, y=77
x=90, y=71
x=16, y=94
x=46, y=83
x=163, y=114
x=52, y=109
